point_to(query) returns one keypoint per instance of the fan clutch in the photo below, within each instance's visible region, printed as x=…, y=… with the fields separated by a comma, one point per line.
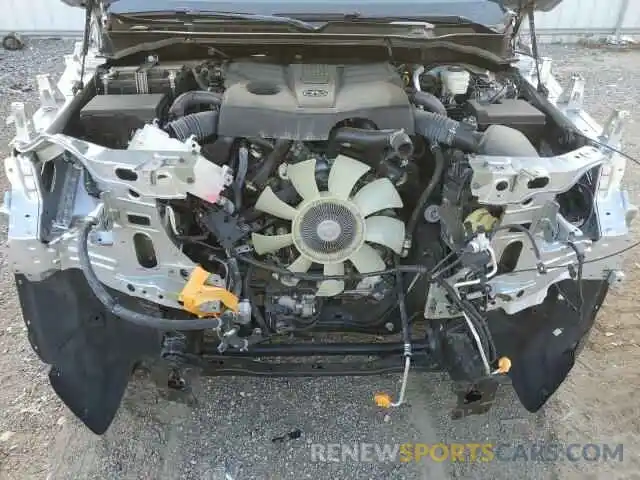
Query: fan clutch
x=333, y=227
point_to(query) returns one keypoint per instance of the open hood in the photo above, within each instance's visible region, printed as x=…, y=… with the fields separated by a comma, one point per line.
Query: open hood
x=138, y=23
x=540, y=5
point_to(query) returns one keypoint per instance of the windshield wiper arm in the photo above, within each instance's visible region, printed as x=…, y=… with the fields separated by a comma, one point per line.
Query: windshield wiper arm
x=356, y=17
x=213, y=14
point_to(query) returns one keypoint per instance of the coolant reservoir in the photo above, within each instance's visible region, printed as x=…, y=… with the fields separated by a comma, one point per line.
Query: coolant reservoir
x=195, y=173
x=455, y=80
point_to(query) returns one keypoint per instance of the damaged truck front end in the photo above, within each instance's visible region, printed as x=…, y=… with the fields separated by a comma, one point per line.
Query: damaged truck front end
x=223, y=190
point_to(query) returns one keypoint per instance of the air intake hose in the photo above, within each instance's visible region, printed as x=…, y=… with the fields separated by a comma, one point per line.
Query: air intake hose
x=441, y=129
x=193, y=98
x=396, y=140
x=201, y=124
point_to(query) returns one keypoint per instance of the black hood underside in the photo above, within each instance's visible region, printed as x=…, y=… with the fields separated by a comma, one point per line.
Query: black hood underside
x=486, y=12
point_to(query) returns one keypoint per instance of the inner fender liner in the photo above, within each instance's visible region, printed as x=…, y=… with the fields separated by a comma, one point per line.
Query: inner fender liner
x=543, y=354
x=91, y=353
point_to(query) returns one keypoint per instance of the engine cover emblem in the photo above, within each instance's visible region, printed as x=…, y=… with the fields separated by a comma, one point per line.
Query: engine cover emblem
x=315, y=92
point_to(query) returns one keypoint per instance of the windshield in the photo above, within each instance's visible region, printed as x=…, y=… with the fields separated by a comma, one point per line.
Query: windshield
x=478, y=11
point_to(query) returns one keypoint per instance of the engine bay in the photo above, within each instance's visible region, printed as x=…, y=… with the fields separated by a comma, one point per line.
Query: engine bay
x=329, y=164
x=253, y=199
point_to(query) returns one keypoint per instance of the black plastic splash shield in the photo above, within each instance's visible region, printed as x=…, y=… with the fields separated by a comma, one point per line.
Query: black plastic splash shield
x=92, y=353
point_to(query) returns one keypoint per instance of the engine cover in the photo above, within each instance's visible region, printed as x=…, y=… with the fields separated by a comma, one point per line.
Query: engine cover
x=305, y=101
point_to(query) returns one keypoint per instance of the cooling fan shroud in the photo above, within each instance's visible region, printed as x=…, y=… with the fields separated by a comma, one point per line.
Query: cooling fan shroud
x=332, y=227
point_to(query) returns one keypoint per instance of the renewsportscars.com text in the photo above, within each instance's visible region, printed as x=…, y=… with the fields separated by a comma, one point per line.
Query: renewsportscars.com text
x=466, y=452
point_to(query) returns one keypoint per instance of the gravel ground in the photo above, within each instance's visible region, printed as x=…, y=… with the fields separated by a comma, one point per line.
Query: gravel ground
x=235, y=419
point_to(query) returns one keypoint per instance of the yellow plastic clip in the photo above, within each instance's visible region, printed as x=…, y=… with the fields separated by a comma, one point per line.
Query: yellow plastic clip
x=206, y=300
x=383, y=400
x=504, y=365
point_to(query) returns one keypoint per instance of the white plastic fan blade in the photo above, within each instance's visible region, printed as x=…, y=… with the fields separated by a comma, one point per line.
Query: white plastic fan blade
x=330, y=288
x=270, y=243
x=344, y=174
x=385, y=231
x=367, y=260
x=268, y=202
x=300, y=265
x=377, y=195
x=303, y=178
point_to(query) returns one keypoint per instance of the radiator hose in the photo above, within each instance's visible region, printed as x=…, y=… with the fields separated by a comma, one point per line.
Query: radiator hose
x=423, y=201
x=397, y=140
x=428, y=101
x=273, y=160
x=111, y=304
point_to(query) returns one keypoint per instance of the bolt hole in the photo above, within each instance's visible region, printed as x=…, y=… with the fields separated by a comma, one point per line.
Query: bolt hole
x=139, y=220
x=145, y=252
x=134, y=194
x=126, y=174
x=539, y=182
x=502, y=185
x=184, y=273
x=131, y=288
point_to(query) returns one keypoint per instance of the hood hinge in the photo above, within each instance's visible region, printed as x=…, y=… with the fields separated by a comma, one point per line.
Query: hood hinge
x=528, y=8
x=86, y=39
x=542, y=89
x=95, y=23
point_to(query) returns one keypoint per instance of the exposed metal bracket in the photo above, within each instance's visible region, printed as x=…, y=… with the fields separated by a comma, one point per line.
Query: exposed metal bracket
x=24, y=126
x=49, y=94
x=573, y=95
x=437, y=304
x=614, y=127
x=510, y=180
x=515, y=292
x=169, y=171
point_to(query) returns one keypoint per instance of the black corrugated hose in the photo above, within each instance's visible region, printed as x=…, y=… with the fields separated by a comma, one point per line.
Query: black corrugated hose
x=434, y=181
x=111, y=304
